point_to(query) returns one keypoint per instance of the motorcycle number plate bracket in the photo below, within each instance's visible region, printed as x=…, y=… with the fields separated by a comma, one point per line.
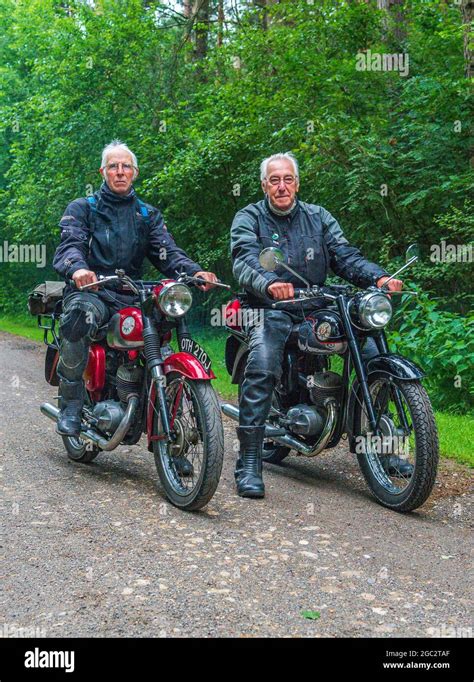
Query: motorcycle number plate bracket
x=190, y=346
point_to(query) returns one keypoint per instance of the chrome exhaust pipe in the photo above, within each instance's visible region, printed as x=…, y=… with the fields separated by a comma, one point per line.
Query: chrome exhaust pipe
x=283, y=437
x=94, y=436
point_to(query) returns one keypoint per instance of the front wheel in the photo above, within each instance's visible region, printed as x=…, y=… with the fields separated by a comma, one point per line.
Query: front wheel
x=198, y=441
x=400, y=462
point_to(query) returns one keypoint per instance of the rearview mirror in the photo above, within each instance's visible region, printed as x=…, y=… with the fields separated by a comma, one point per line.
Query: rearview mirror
x=270, y=258
x=412, y=251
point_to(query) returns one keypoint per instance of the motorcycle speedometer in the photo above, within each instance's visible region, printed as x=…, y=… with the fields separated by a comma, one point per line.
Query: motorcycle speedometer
x=375, y=310
x=175, y=299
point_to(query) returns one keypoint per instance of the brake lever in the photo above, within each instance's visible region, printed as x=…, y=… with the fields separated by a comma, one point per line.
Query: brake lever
x=400, y=293
x=101, y=280
x=199, y=280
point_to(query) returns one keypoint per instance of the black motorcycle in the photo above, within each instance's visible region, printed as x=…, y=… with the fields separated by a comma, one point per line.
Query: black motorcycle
x=328, y=390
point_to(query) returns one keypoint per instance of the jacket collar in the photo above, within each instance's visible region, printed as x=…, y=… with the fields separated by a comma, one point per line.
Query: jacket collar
x=107, y=194
x=290, y=215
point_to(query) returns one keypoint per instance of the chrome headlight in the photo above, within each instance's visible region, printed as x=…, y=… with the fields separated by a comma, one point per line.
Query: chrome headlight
x=175, y=299
x=375, y=310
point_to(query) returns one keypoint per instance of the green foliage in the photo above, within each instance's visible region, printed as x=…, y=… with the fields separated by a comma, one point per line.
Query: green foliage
x=388, y=155
x=442, y=343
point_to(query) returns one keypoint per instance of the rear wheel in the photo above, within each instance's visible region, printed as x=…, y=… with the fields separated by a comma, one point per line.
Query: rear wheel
x=408, y=435
x=81, y=450
x=198, y=436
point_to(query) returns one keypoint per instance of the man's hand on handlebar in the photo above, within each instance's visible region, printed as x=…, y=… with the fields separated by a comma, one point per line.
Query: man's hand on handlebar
x=281, y=291
x=393, y=285
x=83, y=276
x=209, y=277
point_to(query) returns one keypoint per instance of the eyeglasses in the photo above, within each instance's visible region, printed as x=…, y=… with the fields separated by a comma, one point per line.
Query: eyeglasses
x=287, y=179
x=126, y=167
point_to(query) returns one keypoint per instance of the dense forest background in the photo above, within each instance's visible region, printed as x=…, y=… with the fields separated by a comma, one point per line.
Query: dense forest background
x=202, y=90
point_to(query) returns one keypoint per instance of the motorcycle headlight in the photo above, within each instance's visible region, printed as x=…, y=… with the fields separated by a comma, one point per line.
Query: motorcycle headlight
x=375, y=310
x=175, y=299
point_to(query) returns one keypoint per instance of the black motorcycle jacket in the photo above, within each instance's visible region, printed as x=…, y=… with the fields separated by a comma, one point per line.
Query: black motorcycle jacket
x=116, y=235
x=312, y=242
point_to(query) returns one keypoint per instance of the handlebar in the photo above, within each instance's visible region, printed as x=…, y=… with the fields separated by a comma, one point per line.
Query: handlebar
x=130, y=284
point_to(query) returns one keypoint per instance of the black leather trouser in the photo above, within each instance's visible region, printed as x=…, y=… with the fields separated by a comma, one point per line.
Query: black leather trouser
x=83, y=313
x=267, y=339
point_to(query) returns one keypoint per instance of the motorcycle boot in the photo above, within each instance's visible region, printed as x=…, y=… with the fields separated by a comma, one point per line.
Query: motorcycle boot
x=249, y=475
x=398, y=467
x=183, y=466
x=72, y=401
x=255, y=403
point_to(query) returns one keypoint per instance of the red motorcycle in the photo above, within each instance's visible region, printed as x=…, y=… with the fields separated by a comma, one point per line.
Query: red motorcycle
x=135, y=384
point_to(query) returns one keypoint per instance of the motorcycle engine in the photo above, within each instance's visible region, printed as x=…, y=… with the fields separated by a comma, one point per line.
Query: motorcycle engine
x=129, y=381
x=324, y=386
x=109, y=414
x=304, y=420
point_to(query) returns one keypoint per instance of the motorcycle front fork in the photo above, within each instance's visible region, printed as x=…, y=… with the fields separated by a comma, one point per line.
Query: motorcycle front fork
x=361, y=373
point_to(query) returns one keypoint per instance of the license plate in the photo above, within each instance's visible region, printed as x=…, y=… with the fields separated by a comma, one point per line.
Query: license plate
x=190, y=346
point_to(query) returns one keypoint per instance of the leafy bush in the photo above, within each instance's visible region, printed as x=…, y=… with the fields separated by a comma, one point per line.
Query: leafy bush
x=442, y=343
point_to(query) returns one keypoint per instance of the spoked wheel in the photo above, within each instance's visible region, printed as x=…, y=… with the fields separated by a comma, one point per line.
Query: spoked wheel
x=272, y=453
x=81, y=450
x=400, y=462
x=190, y=467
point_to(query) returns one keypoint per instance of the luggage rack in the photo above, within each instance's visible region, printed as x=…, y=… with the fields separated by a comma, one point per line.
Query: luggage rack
x=49, y=327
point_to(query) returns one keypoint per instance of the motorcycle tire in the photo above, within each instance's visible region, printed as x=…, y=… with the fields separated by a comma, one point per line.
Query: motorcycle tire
x=424, y=437
x=207, y=429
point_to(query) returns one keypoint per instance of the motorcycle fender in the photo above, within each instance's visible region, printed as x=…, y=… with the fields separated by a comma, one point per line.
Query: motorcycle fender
x=396, y=366
x=386, y=363
x=187, y=365
x=239, y=362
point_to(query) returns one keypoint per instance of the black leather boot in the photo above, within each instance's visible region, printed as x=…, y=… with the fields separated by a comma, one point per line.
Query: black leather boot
x=183, y=466
x=249, y=475
x=398, y=467
x=72, y=401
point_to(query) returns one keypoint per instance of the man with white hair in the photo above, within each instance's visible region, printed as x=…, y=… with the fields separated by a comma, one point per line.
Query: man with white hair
x=110, y=230
x=312, y=242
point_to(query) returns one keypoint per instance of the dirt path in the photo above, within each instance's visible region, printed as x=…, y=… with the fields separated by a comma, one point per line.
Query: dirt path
x=95, y=550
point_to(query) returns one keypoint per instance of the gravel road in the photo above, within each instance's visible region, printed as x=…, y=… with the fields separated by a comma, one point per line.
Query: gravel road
x=96, y=550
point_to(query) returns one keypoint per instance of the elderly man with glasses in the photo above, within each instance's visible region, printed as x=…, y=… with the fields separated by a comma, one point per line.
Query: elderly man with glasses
x=312, y=242
x=111, y=230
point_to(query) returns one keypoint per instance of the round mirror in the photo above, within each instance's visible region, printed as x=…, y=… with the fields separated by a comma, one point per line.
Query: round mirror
x=270, y=258
x=412, y=251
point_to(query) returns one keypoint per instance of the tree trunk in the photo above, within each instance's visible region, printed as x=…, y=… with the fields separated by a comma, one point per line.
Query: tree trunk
x=220, y=22
x=467, y=9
